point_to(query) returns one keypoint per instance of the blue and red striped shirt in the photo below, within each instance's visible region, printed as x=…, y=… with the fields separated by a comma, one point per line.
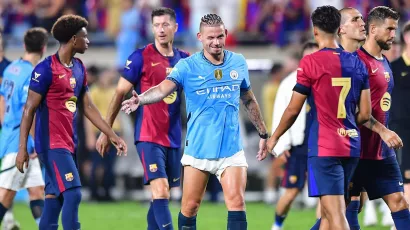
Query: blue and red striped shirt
x=158, y=123
x=381, y=87
x=333, y=80
x=56, y=117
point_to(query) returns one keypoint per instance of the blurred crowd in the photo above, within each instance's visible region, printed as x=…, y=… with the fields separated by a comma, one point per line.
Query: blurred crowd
x=281, y=22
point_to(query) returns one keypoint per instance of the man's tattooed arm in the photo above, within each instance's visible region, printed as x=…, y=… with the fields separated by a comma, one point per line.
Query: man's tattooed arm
x=374, y=125
x=253, y=110
x=157, y=93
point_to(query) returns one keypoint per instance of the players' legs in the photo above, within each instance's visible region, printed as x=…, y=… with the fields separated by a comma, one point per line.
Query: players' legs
x=6, y=200
x=36, y=195
x=283, y=206
x=352, y=213
x=194, y=186
x=233, y=181
x=71, y=203
x=293, y=181
x=51, y=212
x=407, y=192
x=399, y=209
x=333, y=209
x=155, y=160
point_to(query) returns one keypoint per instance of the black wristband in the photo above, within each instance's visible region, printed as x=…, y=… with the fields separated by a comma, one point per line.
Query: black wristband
x=263, y=136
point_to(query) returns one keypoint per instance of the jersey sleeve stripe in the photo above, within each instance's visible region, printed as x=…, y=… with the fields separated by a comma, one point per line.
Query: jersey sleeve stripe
x=301, y=89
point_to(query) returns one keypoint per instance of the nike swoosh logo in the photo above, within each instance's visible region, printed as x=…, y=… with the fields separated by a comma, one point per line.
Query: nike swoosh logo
x=164, y=225
x=61, y=76
x=200, y=77
x=175, y=179
x=400, y=183
x=374, y=71
x=155, y=64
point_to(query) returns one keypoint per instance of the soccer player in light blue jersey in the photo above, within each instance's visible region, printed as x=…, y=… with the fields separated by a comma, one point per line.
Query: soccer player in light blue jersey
x=14, y=90
x=215, y=81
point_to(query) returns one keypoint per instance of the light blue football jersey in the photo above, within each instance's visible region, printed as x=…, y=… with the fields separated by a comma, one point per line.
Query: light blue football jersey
x=14, y=89
x=212, y=95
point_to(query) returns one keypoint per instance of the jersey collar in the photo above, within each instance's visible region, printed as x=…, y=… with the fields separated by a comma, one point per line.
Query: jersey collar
x=365, y=51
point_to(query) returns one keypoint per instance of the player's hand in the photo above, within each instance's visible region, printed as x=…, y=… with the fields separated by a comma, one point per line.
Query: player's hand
x=22, y=160
x=119, y=145
x=102, y=145
x=33, y=155
x=262, y=150
x=272, y=141
x=391, y=139
x=130, y=105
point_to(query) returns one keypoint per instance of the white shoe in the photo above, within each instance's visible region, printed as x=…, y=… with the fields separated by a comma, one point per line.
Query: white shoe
x=275, y=227
x=387, y=219
x=10, y=225
x=370, y=215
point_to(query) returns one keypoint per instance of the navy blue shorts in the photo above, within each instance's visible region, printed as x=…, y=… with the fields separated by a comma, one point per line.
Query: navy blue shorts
x=61, y=171
x=296, y=168
x=330, y=175
x=160, y=162
x=378, y=177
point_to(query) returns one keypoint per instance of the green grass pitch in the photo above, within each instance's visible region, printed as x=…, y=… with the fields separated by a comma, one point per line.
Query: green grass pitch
x=132, y=216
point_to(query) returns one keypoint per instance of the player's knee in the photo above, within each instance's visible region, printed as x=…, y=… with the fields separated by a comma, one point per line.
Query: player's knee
x=36, y=193
x=160, y=190
x=235, y=202
x=72, y=195
x=190, y=208
x=292, y=193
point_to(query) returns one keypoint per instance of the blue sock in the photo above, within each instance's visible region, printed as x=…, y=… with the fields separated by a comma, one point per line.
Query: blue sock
x=401, y=219
x=279, y=220
x=36, y=207
x=317, y=225
x=51, y=212
x=3, y=211
x=162, y=214
x=237, y=220
x=152, y=223
x=186, y=223
x=352, y=213
x=72, y=199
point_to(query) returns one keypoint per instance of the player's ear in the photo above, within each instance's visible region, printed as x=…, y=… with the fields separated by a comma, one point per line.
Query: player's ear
x=315, y=31
x=226, y=32
x=199, y=36
x=176, y=27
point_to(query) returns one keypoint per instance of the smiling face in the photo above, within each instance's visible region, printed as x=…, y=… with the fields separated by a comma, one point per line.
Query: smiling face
x=352, y=25
x=164, y=29
x=213, y=38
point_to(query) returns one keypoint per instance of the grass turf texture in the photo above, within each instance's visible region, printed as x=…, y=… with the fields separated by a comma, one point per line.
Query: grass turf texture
x=132, y=216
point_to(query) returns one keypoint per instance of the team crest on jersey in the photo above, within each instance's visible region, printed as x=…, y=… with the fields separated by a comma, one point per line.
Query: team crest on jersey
x=385, y=102
x=71, y=104
x=73, y=82
x=387, y=76
x=69, y=177
x=153, y=167
x=234, y=75
x=218, y=74
x=171, y=98
x=293, y=179
x=168, y=70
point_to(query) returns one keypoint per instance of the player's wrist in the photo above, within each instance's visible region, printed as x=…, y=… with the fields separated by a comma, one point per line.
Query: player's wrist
x=263, y=135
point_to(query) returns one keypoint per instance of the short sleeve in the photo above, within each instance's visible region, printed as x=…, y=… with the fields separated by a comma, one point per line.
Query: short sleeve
x=133, y=67
x=41, y=78
x=303, y=80
x=246, y=83
x=24, y=91
x=363, y=74
x=177, y=73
